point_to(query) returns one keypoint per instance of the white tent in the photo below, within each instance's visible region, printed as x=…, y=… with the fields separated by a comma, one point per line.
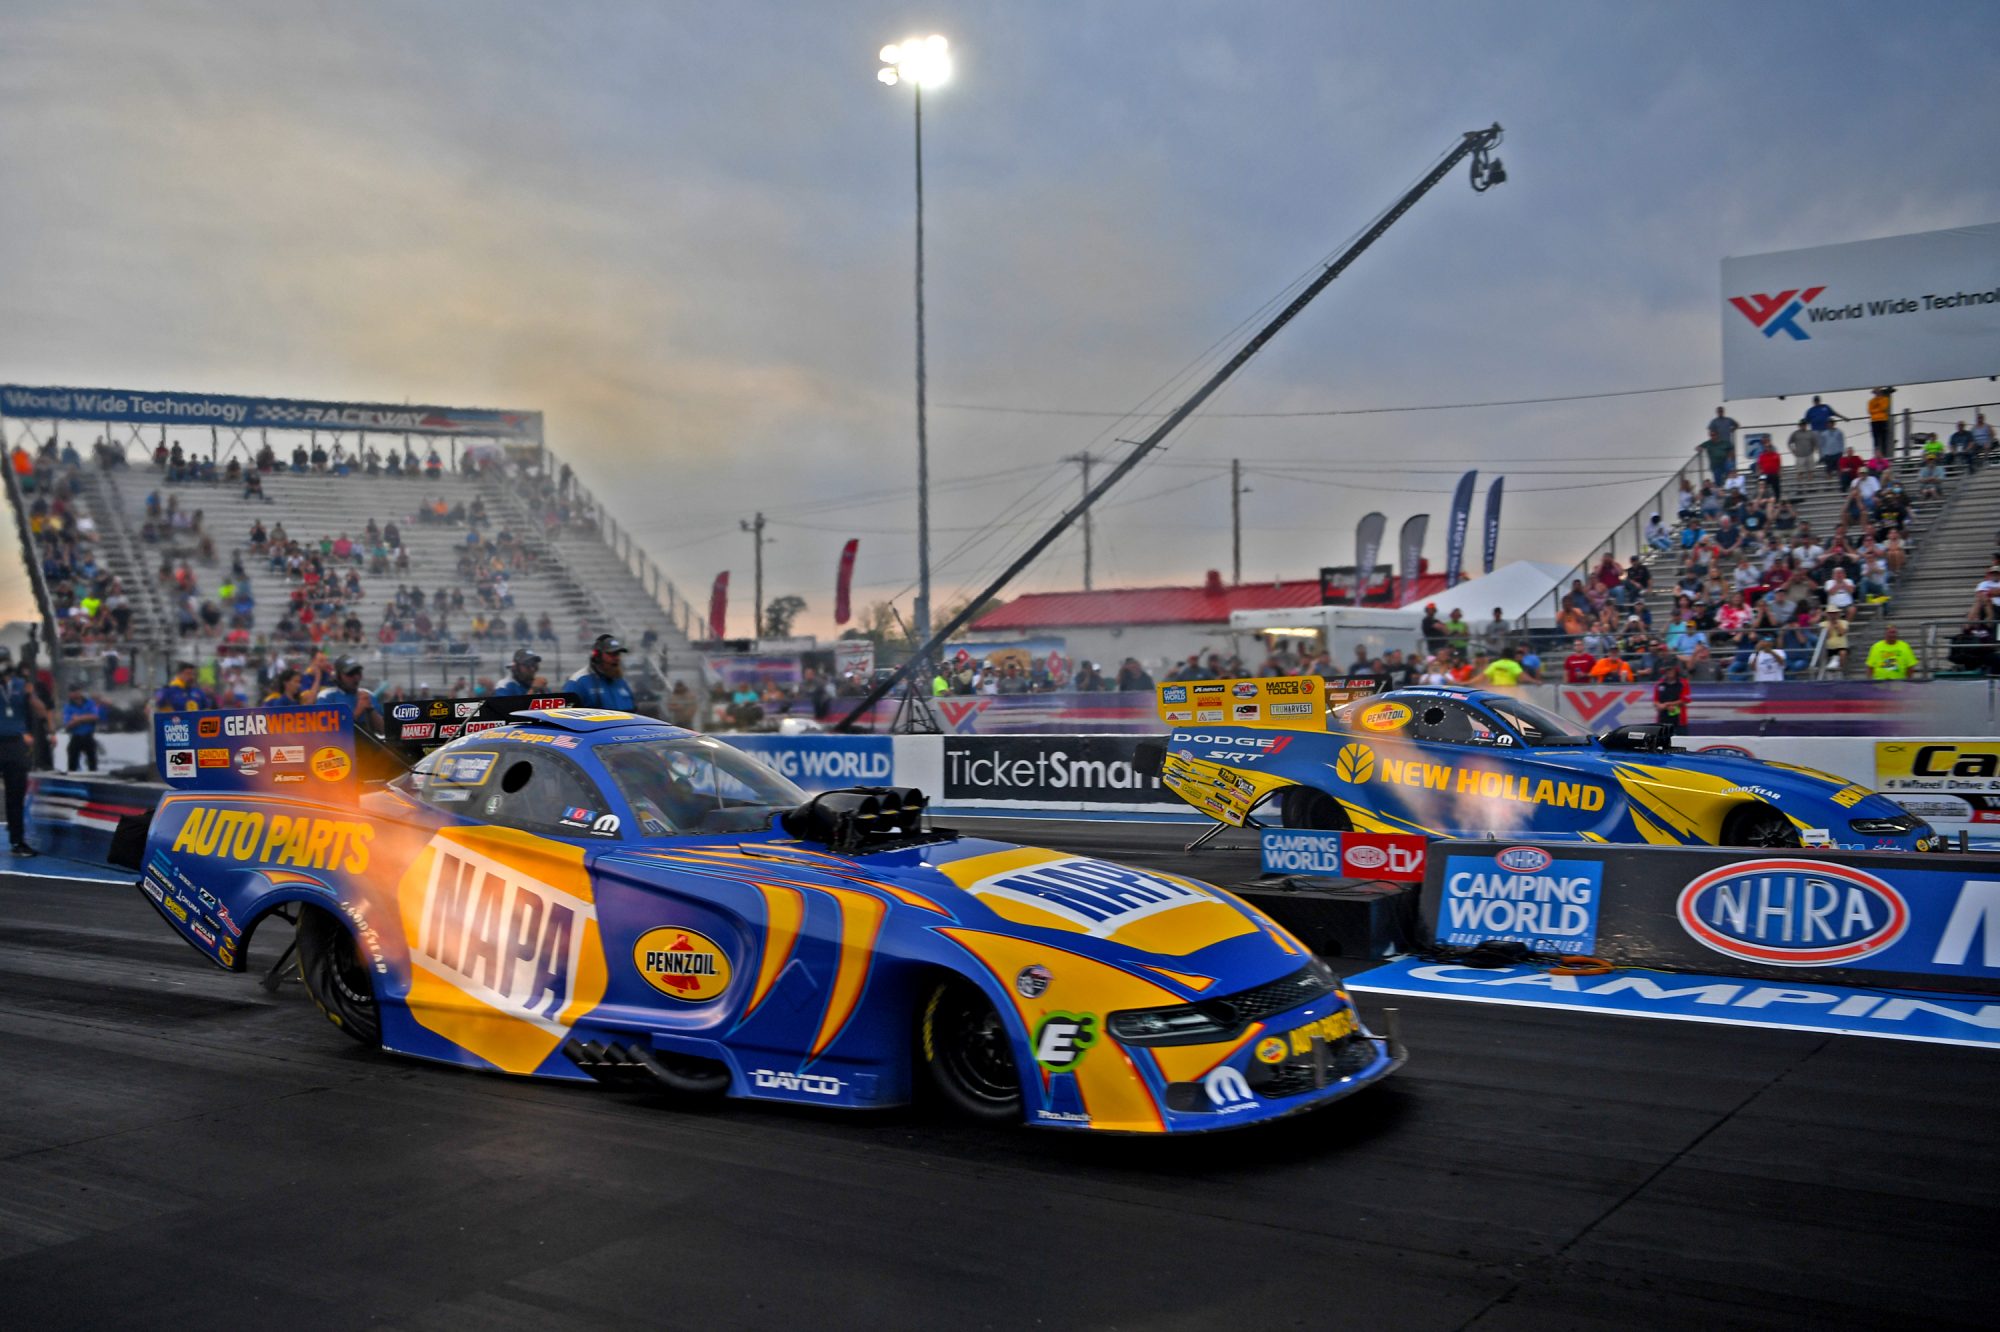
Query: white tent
x=1512, y=587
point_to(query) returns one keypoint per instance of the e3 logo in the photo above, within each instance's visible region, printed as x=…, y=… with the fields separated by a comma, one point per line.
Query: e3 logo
x=1062, y=1038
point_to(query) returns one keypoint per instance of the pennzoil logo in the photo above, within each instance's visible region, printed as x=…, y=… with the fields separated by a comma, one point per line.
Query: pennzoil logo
x=682, y=964
x=331, y=764
x=1384, y=716
x=501, y=936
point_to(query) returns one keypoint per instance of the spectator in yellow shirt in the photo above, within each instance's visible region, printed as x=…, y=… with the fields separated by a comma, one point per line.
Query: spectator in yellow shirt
x=1878, y=421
x=1891, y=659
x=1503, y=672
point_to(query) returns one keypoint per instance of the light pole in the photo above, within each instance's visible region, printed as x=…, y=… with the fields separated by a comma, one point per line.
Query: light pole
x=921, y=62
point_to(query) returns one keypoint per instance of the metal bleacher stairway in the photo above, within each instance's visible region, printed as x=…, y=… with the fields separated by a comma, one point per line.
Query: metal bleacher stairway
x=578, y=580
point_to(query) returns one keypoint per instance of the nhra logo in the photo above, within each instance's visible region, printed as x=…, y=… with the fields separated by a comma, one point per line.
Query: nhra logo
x=1777, y=314
x=1793, y=913
x=403, y=712
x=176, y=733
x=681, y=964
x=1524, y=859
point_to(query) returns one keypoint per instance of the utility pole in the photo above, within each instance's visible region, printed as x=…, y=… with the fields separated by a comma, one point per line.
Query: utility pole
x=756, y=531
x=1236, y=493
x=1084, y=460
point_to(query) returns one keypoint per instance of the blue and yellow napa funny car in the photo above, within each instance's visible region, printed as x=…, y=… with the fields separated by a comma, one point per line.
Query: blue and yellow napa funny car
x=583, y=894
x=1466, y=762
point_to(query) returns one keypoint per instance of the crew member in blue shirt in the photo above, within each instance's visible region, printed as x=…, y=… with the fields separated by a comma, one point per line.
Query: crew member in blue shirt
x=346, y=691
x=521, y=675
x=601, y=682
x=182, y=694
x=80, y=717
x=21, y=715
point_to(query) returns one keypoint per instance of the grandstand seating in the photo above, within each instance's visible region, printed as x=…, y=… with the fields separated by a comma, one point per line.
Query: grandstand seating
x=577, y=580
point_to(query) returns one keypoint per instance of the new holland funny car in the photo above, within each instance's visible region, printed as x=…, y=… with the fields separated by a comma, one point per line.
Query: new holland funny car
x=581, y=894
x=1465, y=762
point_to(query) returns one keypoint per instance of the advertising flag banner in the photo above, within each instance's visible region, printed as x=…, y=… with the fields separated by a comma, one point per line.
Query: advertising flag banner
x=1493, y=521
x=1461, y=517
x=1410, y=553
x=1367, y=549
x=718, y=605
x=1900, y=310
x=844, y=583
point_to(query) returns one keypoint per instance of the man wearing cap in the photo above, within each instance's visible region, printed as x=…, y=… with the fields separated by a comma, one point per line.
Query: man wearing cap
x=521, y=675
x=21, y=715
x=601, y=681
x=80, y=717
x=346, y=692
x=182, y=694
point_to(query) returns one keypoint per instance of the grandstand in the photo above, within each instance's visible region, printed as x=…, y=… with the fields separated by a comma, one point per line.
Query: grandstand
x=102, y=515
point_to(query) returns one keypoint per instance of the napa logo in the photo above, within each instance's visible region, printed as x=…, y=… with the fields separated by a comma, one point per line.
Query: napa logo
x=1355, y=764
x=1793, y=913
x=1778, y=314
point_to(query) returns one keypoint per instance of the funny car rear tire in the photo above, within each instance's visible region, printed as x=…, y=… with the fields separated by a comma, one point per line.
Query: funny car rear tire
x=1759, y=825
x=336, y=978
x=968, y=1052
x=1304, y=807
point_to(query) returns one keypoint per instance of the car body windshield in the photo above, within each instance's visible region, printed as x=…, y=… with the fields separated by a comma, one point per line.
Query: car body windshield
x=1536, y=726
x=693, y=784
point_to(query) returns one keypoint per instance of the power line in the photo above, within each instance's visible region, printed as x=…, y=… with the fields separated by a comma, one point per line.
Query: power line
x=1331, y=411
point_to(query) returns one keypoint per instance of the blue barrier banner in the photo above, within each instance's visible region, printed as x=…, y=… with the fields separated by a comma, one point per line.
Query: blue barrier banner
x=1903, y=1015
x=1524, y=895
x=1300, y=851
x=823, y=762
x=239, y=413
x=255, y=749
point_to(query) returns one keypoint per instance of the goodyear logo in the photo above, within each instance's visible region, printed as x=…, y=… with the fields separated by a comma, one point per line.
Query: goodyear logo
x=682, y=964
x=500, y=936
x=1356, y=763
x=1385, y=716
x=1793, y=913
x=306, y=841
x=1298, y=1041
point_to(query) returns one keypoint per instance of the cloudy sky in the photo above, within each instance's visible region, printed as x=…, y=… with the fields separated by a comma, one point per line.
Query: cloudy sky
x=683, y=231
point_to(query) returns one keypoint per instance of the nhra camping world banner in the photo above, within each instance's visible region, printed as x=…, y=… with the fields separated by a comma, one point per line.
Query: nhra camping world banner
x=1493, y=521
x=219, y=409
x=843, y=585
x=1410, y=553
x=1367, y=549
x=1454, y=534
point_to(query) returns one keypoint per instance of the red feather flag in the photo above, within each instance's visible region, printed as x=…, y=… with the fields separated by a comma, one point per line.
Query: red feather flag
x=845, y=583
x=718, y=605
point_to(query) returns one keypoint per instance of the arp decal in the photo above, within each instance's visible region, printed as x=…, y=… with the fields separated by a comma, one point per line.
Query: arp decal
x=1062, y=1039
x=682, y=964
x=1793, y=913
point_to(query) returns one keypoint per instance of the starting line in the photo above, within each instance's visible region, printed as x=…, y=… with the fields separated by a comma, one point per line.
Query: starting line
x=1899, y=1015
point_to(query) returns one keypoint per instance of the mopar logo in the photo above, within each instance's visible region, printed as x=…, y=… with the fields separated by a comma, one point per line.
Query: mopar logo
x=403, y=712
x=1524, y=859
x=1793, y=913
x=1228, y=1090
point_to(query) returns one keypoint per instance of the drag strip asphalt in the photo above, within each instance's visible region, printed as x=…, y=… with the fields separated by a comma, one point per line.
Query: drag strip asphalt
x=179, y=1148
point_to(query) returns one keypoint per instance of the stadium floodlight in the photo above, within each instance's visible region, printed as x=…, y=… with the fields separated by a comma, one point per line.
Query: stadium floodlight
x=924, y=61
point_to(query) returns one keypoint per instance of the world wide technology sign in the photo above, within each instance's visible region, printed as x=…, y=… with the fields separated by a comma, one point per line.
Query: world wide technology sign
x=1901, y=310
x=145, y=407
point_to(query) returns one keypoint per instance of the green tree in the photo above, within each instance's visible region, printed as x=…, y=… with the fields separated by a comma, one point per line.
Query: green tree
x=779, y=614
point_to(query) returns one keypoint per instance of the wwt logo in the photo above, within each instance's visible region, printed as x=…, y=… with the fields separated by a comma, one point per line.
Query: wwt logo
x=1780, y=313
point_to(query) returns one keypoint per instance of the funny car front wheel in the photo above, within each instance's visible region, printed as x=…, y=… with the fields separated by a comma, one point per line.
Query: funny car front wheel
x=336, y=978
x=1759, y=825
x=968, y=1053
x=1303, y=807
